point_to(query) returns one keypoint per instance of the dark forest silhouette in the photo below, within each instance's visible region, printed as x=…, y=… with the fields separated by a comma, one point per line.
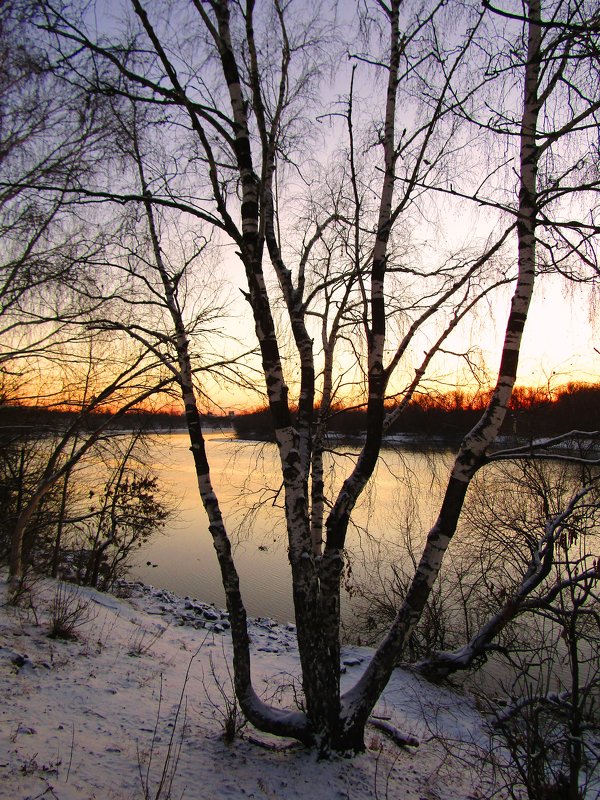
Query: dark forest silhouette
x=532, y=412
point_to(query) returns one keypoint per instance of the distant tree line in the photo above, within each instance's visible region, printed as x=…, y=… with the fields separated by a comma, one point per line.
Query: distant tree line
x=15, y=417
x=532, y=412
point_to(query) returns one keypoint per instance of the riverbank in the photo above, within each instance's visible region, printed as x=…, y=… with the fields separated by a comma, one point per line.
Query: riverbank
x=141, y=691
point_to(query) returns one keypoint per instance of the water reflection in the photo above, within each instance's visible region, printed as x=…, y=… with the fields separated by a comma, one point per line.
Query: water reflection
x=505, y=513
x=406, y=487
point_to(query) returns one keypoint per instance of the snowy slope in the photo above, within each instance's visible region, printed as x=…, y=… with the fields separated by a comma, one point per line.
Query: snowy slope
x=103, y=716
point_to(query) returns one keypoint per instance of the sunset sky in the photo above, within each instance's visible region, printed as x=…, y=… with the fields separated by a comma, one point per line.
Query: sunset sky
x=562, y=331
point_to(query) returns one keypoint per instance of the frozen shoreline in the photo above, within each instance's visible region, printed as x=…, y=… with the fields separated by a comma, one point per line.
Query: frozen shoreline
x=80, y=718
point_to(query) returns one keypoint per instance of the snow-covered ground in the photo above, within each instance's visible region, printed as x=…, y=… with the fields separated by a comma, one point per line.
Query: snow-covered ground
x=142, y=693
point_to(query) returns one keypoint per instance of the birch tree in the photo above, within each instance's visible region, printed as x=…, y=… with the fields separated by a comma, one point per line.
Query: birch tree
x=557, y=67
x=232, y=114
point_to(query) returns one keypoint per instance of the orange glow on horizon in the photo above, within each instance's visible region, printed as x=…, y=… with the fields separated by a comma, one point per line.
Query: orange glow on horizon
x=465, y=398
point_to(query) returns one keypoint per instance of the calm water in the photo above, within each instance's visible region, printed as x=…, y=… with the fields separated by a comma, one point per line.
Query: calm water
x=405, y=490
x=404, y=496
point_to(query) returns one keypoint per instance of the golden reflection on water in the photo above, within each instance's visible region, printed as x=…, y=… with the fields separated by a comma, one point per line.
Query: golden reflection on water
x=405, y=491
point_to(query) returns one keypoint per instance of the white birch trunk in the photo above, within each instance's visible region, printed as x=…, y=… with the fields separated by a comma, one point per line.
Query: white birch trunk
x=359, y=701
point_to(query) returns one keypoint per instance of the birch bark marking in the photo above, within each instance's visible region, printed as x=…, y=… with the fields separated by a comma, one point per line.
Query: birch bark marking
x=293, y=298
x=258, y=712
x=242, y=147
x=337, y=523
x=485, y=431
x=285, y=435
x=253, y=246
x=317, y=508
x=317, y=668
x=302, y=339
x=235, y=606
x=359, y=701
x=253, y=239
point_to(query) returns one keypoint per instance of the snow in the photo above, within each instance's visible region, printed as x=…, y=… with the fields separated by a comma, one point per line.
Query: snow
x=143, y=690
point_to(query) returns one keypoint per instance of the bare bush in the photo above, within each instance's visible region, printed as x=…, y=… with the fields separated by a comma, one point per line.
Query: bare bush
x=143, y=639
x=68, y=611
x=226, y=707
x=160, y=786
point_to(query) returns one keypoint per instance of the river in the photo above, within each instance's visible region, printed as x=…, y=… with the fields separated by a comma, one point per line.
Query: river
x=397, y=509
x=405, y=488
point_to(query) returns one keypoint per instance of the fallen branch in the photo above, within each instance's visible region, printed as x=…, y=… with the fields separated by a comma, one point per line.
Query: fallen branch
x=278, y=747
x=395, y=734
